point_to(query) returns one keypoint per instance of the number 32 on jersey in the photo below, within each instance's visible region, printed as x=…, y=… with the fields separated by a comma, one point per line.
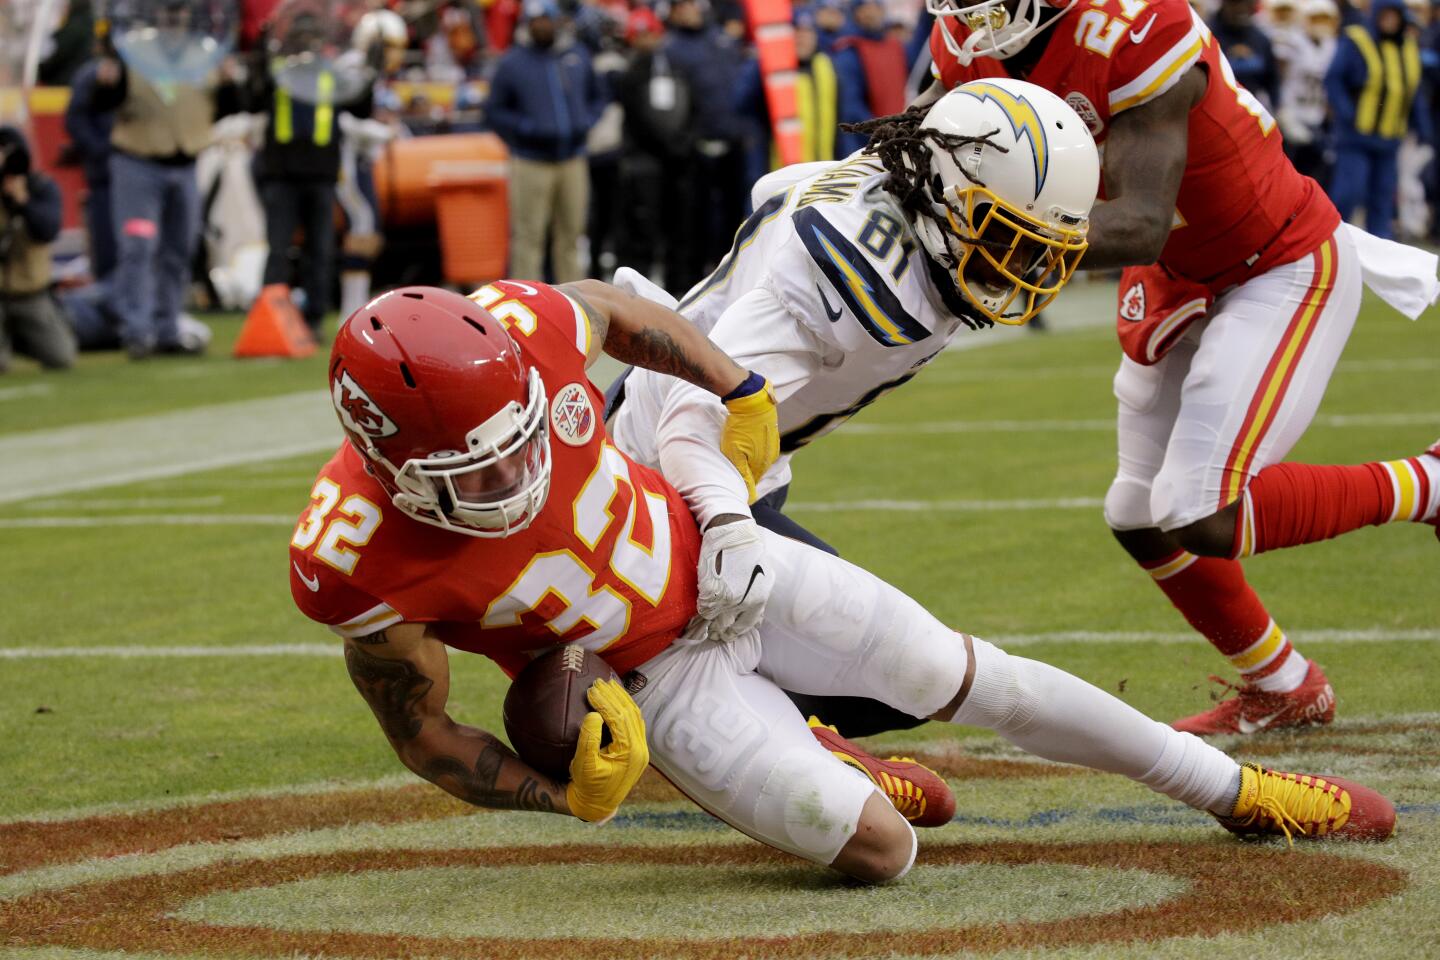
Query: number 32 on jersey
x=561, y=577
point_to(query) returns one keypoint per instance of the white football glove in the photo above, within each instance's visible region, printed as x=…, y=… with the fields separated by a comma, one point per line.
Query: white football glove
x=735, y=580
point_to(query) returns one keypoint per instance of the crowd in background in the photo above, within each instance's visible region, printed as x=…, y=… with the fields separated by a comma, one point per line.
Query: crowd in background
x=634, y=130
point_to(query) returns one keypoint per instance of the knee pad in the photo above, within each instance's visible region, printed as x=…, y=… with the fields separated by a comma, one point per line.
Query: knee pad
x=1003, y=696
x=1127, y=505
x=1176, y=503
x=922, y=664
x=809, y=804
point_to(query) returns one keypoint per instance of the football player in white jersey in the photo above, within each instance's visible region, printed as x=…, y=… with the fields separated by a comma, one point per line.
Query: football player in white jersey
x=846, y=280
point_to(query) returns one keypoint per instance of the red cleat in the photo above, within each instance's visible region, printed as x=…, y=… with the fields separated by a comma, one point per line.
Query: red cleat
x=1252, y=709
x=1271, y=802
x=920, y=794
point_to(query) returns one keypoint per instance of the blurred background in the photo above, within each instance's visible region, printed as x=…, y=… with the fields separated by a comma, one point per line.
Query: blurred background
x=298, y=156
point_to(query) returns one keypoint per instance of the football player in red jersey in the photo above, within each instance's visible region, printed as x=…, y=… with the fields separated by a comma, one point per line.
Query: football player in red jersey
x=477, y=503
x=1240, y=289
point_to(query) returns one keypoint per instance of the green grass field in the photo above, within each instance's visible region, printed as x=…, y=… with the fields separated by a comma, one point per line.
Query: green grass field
x=185, y=769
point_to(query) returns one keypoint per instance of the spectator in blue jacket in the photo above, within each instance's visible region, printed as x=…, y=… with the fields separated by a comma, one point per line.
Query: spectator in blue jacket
x=544, y=99
x=715, y=190
x=1248, y=49
x=872, y=71
x=90, y=132
x=1374, y=108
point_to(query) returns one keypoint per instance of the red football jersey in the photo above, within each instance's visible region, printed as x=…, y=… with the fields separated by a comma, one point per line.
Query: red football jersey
x=1243, y=207
x=610, y=562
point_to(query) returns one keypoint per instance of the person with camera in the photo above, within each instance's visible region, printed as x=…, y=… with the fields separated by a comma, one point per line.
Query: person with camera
x=30, y=323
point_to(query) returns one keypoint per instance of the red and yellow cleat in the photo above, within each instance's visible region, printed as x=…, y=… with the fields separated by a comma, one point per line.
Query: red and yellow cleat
x=1252, y=709
x=1271, y=802
x=920, y=794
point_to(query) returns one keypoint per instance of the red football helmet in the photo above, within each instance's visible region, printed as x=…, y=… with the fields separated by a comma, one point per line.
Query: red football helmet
x=433, y=391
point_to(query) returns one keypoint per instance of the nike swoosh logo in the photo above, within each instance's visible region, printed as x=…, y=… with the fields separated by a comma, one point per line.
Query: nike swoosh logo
x=834, y=315
x=758, y=571
x=312, y=582
x=1136, y=36
x=1255, y=726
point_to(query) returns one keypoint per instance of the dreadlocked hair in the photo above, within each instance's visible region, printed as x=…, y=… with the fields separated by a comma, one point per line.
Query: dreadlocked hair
x=902, y=146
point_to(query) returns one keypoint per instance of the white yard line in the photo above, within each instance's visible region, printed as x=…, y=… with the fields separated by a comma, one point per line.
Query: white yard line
x=21, y=393
x=1163, y=638
x=1107, y=424
x=154, y=520
x=126, y=503
x=943, y=506
x=139, y=652
x=46, y=463
x=1094, y=371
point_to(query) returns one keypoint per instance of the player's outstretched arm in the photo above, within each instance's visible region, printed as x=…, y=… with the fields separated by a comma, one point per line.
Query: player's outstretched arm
x=1144, y=163
x=404, y=674
x=650, y=335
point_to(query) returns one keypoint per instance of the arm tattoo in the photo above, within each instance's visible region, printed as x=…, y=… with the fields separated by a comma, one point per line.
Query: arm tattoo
x=656, y=350
x=393, y=688
x=372, y=639
x=478, y=784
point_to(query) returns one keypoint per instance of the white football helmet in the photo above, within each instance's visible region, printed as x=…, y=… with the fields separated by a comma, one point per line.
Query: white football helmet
x=1010, y=194
x=380, y=26
x=994, y=30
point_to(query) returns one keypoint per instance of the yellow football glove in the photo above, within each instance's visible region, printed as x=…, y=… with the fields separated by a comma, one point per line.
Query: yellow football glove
x=751, y=436
x=601, y=779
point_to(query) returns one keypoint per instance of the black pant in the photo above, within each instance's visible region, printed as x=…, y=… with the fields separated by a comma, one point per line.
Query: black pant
x=309, y=204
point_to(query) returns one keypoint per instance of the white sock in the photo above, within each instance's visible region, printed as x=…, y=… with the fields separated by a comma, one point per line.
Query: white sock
x=1054, y=715
x=1288, y=676
x=354, y=291
x=1195, y=773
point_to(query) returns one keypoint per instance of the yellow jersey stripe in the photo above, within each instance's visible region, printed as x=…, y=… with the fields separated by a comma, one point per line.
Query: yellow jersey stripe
x=1171, y=65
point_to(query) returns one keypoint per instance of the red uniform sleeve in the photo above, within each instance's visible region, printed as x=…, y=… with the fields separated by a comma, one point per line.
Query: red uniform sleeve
x=1152, y=51
x=328, y=597
x=546, y=324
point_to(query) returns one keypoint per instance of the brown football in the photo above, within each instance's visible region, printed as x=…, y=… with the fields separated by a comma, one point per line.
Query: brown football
x=546, y=704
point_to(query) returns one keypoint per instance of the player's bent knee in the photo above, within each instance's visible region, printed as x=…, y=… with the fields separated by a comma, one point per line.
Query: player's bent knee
x=1212, y=536
x=883, y=847
x=1127, y=505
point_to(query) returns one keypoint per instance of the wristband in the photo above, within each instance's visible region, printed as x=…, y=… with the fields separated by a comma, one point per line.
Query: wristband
x=750, y=386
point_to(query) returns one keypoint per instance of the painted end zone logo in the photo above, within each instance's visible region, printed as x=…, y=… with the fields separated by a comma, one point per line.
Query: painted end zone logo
x=572, y=416
x=357, y=411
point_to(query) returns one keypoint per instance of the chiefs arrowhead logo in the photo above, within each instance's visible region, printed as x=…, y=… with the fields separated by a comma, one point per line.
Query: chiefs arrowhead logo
x=357, y=411
x=1132, y=305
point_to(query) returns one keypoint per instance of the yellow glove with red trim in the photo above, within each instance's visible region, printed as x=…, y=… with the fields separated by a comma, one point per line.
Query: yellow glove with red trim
x=601, y=779
x=750, y=438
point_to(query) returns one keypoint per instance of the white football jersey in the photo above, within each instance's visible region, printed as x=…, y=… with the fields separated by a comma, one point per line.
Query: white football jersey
x=827, y=292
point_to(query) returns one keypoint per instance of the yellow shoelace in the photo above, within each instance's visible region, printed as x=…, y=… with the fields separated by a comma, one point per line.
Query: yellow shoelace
x=1312, y=804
